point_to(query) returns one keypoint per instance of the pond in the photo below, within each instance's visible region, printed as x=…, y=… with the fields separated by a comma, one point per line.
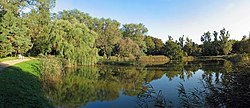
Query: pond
x=175, y=84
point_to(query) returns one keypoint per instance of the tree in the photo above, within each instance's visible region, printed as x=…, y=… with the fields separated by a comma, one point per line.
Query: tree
x=74, y=42
x=215, y=49
x=81, y=17
x=181, y=41
x=136, y=32
x=14, y=38
x=224, y=42
x=158, y=46
x=128, y=48
x=15, y=6
x=154, y=45
x=150, y=45
x=188, y=48
x=39, y=24
x=206, y=46
x=13, y=35
x=191, y=48
x=109, y=35
x=173, y=50
x=241, y=47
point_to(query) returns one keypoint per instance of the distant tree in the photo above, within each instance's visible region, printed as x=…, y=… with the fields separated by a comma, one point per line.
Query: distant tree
x=137, y=33
x=241, y=47
x=181, y=41
x=154, y=45
x=206, y=46
x=109, y=35
x=188, y=48
x=215, y=49
x=128, y=48
x=150, y=45
x=224, y=42
x=158, y=46
x=173, y=50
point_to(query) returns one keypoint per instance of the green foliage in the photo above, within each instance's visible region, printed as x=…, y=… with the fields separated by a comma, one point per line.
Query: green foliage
x=224, y=42
x=74, y=42
x=109, y=35
x=51, y=70
x=154, y=45
x=221, y=46
x=37, y=21
x=173, y=50
x=149, y=43
x=79, y=37
x=136, y=32
x=206, y=47
x=14, y=37
x=240, y=47
x=191, y=48
x=128, y=48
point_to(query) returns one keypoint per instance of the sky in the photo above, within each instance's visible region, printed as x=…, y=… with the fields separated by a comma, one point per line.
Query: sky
x=171, y=17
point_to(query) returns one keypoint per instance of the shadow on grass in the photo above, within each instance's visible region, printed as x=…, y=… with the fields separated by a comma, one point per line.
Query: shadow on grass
x=20, y=89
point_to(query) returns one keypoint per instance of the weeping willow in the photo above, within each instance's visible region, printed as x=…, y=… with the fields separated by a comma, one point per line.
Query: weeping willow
x=75, y=42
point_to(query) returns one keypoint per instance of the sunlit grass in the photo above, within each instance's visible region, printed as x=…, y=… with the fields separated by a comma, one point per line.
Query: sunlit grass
x=8, y=58
x=31, y=67
x=20, y=86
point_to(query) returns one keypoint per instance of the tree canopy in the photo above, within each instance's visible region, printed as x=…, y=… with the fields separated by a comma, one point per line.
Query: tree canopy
x=81, y=39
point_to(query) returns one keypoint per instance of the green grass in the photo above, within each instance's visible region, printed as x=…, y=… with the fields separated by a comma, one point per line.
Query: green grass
x=20, y=86
x=31, y=67
x=8, y=58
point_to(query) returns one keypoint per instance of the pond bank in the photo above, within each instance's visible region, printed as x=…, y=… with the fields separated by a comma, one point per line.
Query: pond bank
x=20, y=86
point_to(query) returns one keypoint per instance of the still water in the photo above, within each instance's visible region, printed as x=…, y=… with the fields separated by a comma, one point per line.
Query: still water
x=176, y=84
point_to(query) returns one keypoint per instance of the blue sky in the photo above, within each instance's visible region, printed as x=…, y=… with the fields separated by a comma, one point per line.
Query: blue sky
x=171, y=17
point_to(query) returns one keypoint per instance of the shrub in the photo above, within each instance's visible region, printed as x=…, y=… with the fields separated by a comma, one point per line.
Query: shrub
x=161, y=59
x=52, y=69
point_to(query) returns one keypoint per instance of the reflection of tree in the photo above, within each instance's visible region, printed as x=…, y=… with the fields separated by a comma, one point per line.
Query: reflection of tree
x=87, y=84
x=82, y=86
x=182, y=69
x=175, y=69
x=228, y=89
x=232, y=91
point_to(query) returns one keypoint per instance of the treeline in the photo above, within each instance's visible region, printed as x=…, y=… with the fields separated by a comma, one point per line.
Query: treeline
x=82, y=39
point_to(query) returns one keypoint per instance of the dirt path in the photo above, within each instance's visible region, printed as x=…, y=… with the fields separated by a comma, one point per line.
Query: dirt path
x=8, y=63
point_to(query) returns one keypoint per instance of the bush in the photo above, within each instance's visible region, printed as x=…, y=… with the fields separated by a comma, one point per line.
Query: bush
x=161, y=59
x=52, y=69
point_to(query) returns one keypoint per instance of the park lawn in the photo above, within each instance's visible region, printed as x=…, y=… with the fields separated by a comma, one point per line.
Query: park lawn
x=20, y=86
x=8, y=58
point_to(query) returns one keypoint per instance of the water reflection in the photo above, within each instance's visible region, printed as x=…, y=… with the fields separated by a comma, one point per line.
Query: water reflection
x=208, y=83
x=87, y=84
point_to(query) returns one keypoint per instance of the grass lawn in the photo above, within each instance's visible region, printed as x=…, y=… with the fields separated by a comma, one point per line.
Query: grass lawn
x=8, y=58
x=20, y=86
